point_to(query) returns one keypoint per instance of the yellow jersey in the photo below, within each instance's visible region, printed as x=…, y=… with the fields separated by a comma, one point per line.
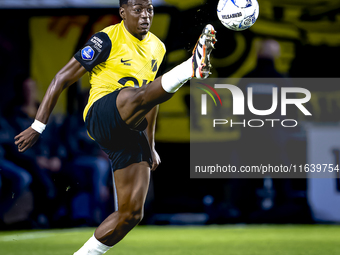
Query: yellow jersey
x=114, y=59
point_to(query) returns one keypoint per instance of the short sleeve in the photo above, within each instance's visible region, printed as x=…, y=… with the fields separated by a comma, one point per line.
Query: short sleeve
x=95, y=51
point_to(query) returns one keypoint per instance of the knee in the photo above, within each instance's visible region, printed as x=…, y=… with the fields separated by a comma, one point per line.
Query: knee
x=139, y=97
x=132, y=217
x=136, y=216
x=142, y=98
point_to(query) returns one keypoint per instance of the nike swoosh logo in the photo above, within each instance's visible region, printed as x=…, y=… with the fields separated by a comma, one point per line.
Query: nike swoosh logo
x=124, y=61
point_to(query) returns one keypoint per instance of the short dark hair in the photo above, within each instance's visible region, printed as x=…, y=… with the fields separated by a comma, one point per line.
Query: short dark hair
x=121, y=2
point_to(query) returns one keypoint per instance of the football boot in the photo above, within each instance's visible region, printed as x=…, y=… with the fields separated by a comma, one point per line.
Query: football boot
x=201, y=53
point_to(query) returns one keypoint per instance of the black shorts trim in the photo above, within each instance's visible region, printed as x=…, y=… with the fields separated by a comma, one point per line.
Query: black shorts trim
x=123, y=145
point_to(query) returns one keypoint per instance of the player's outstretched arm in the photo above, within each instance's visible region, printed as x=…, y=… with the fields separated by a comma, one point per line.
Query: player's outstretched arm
x=68, y=75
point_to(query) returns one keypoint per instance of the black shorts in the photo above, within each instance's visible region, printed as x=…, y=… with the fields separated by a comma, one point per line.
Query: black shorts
x=123, y=145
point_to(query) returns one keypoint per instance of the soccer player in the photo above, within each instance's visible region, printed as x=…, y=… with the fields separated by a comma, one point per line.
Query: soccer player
x=122, y=61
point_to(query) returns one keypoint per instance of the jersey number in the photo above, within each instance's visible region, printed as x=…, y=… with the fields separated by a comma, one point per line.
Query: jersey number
x=124, y=80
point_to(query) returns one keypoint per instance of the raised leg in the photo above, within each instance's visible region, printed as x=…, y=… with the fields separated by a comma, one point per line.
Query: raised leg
x=134, y=103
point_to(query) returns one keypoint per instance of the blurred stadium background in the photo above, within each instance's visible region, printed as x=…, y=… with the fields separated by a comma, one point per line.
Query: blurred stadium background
x=38, y=37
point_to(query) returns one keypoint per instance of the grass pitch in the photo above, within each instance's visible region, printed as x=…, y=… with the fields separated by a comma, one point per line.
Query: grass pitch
x=169, y=240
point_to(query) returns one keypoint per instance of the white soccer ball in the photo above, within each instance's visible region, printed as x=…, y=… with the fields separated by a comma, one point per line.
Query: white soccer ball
x=238, y=15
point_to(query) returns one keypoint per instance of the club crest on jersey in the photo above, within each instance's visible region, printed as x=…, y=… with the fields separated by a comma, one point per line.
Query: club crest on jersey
x=87, y=53
x=154, y=65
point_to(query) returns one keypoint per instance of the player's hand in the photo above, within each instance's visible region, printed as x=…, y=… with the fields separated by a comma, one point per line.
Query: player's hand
x=156, y=160
x=26, y=139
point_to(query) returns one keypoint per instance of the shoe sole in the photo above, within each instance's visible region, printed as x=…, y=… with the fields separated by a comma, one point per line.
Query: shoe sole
x=207, y=47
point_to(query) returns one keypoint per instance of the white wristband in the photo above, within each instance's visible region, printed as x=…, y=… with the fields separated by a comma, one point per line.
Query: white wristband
x=38, y=126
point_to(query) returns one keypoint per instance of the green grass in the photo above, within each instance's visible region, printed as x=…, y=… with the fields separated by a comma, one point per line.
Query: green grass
x=149, y=240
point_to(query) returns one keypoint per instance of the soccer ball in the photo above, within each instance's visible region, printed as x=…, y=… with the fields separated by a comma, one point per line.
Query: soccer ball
x=238, y=15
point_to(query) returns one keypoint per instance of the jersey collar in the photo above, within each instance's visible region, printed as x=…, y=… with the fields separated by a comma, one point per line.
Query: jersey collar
x=133, y=38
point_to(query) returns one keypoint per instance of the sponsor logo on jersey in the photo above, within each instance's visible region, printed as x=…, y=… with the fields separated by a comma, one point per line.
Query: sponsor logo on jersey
x=97, y=43
x=87, y=53
x=125, y=62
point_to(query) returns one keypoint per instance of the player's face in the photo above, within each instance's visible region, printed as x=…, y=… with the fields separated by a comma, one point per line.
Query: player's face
x=137, y=16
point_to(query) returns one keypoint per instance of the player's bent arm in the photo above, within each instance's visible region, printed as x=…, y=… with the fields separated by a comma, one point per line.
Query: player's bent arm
x=69, y=74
